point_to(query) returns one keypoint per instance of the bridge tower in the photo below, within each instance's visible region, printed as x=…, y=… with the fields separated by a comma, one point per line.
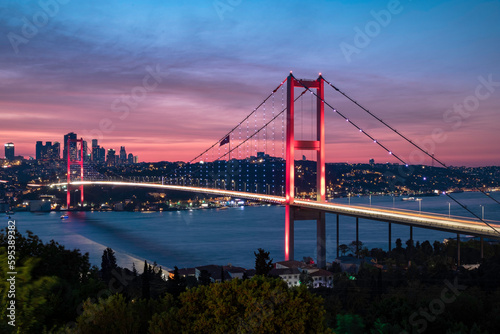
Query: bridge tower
x=75, y=157
x=294, y=213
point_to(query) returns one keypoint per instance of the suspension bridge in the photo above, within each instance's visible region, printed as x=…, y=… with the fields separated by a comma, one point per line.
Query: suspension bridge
x=256, y=160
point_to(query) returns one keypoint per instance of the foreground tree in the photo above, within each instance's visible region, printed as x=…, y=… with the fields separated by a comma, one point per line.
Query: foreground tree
x=258, y=305
x=31, y=297
x=108, y=264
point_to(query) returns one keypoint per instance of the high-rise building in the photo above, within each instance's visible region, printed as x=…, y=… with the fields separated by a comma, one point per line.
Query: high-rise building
x=85, y=153
x=130, y=159
x=56, y=151
x=111, y=157
x=102, y=155
x=123, y=155
x=72, y=149
x=39, y=150
x=48, y=151
x=9, y=151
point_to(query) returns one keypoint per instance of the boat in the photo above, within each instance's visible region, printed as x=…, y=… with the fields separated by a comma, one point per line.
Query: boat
x=411, y=199
x=64, y=216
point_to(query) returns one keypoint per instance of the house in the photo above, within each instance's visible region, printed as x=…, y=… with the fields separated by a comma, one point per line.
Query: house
x=321, y=278
x=289, y=275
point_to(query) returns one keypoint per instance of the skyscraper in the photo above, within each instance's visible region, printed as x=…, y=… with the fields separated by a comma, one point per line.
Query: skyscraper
x=95, y=151
x=48, y=151
x=56, y=151
x=102, y=155
x=111, y=157
x=9, y=151
x=123, y=155
x=70, y=135
x=39, y=150
x=84, y=149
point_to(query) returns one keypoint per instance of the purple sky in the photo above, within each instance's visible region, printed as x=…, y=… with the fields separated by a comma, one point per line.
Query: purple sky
x=422, y=66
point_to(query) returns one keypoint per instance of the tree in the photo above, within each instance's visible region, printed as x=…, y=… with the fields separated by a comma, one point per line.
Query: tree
x=343, y=249
x=305, y=279
x=176, y=284
x=31, y=297
x=349, y=324
x=356, y=247
x=111, y=315
x=204, y=278
x=399, y=245
x=108, y=264
x=263, y=264
x=257, y=305
x=146, y=281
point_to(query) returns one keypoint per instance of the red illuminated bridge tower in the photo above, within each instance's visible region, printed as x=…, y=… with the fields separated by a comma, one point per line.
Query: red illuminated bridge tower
x=294, y=213
x=75, y=157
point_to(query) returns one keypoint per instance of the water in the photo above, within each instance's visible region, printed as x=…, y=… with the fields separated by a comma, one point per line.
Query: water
x=199, y=237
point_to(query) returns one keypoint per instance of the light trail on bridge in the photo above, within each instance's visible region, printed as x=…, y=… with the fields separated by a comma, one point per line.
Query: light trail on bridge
x=417, y=219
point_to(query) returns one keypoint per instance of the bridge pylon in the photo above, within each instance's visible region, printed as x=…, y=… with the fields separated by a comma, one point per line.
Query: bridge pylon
x=294, y=213
x=75, y=156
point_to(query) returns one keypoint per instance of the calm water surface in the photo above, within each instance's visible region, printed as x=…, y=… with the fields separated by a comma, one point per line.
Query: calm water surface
x=191, y=238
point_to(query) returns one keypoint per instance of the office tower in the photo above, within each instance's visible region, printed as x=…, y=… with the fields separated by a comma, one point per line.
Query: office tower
x=123, y=155
x=94, y=143
x=47, y=151
x=70, y=135
x=85, y=153
x=9, y=151
x=39, y=150
x=56, y=151
x=130, y=158
x=111, y=157
x=102, y=155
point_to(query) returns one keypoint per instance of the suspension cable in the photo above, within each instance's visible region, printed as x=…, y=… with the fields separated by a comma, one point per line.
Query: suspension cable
x=403, y=136
x=390, y=152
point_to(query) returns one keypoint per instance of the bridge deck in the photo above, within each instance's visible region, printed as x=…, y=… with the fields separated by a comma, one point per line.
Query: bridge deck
x=460, y=225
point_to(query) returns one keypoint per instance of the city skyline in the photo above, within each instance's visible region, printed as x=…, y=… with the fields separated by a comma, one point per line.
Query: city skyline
x=429, y=69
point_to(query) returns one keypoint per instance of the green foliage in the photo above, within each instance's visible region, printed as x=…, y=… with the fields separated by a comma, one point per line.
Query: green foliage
x=111, y=315
x=61, y=278
x=349, y=324
x=305, y=279
x=31, y=296
x=258, y=305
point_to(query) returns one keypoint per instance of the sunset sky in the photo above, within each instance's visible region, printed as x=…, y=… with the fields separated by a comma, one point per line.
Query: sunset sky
x=431, y=69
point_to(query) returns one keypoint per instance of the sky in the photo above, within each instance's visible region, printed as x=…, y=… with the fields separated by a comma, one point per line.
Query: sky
x=166, y=79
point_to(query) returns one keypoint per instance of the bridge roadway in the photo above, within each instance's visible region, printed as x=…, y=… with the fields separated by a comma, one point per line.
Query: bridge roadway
x=459, y=225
